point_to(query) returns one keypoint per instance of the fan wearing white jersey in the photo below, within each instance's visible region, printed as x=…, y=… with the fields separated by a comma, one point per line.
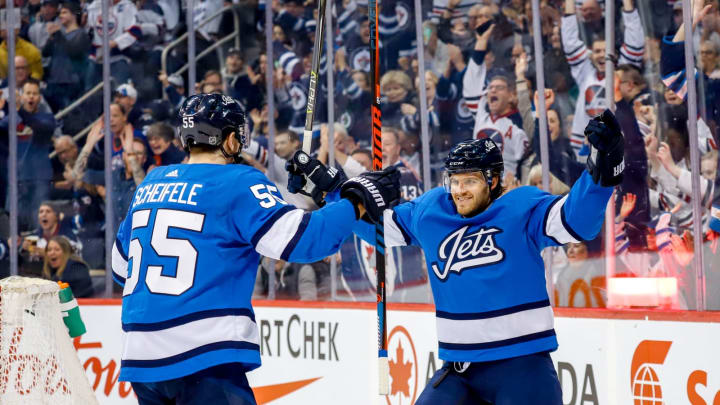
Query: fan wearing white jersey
x=494, y=104
x=587, y=66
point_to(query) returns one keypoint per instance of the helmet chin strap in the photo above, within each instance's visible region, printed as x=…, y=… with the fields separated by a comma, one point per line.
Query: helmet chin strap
x=235, y=158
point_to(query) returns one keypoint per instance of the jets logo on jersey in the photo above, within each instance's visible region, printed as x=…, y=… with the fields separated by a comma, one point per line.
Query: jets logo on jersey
x=463, y=112
x=361, y=59
x=595, y=100
x=493, y=134
x=297, y=95
x=346, y=120
x=112, y=24
x=462, y=250
x=403, y=14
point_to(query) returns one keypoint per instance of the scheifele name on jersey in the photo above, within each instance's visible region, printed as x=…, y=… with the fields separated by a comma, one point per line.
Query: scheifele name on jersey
x=179, y=192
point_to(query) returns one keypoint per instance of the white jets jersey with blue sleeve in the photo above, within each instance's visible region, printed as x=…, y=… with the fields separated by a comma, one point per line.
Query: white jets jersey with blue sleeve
x=486, y=272
x=187, y=255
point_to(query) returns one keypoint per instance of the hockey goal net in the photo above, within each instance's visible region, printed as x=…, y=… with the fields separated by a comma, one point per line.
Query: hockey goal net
x=38, y=363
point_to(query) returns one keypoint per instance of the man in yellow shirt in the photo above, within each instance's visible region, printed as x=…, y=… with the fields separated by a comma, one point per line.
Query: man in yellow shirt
x=22, y=48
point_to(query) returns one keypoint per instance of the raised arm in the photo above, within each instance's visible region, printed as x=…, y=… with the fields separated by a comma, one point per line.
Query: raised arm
x=699, y=10
x=576, y=52
x=95, y=135
x=579, y=215
x=633, y=45
x=476, y=72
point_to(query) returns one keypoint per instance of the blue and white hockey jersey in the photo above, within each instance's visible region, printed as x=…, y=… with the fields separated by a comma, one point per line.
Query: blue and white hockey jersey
x=187, y=254
x=486, y=272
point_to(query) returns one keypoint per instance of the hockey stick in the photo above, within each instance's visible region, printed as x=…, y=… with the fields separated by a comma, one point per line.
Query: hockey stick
x=314, y=74
x=383, y=367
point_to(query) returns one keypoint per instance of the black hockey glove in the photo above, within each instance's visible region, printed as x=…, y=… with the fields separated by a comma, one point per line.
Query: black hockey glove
x=606, y=162
x=302, y=167
x=376, y=191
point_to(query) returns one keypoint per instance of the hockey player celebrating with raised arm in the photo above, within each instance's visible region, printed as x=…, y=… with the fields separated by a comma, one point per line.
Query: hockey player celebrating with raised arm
x=482, y=247
x=188, y=250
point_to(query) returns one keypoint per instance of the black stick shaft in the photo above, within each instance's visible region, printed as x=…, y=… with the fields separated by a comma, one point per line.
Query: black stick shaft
x=314, y=76
x=377, y=165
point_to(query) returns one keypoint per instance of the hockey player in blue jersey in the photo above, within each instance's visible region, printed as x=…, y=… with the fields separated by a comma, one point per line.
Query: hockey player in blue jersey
x=482, y=247
x=187, y=255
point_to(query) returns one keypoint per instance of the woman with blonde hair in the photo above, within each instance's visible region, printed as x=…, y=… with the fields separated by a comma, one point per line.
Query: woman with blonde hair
x=398, y=97
x=557, y=187
x=60, y=264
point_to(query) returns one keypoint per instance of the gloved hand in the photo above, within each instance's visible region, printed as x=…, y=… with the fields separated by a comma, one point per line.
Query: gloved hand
x=302, y=167
x=376, y=191
x=606, y=162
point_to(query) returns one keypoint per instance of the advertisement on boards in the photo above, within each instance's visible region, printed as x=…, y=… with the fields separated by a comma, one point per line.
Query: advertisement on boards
x=670, y=362
x=639, y=362
x=309, y=355
x=319, y=355
x=313, y=355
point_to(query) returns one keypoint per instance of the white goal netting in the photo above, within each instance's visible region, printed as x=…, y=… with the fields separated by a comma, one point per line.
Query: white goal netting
x=38, y=363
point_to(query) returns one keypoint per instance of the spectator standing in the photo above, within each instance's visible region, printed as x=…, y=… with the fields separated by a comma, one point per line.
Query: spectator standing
x=174, y=90
x=124, y=33
x=207, y=34
x=234, y=68
x=92, y=156
x=126, y=96
x=22, y=48
x=286, y=144
x=344, y=147
x=632, y=89
x=126, y=179
x=492, y=100
x=66, y=152
x=38, y=32
x=588, y=65
x=456, y=32
x=35, y=129
x=238, y=83
x=68, y=47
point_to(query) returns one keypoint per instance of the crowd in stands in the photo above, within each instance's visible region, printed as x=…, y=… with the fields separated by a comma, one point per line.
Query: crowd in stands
x=480, y=81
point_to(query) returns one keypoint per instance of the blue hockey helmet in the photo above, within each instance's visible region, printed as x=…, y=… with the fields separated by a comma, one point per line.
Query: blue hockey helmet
x=476, y=155
x=207, y=119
